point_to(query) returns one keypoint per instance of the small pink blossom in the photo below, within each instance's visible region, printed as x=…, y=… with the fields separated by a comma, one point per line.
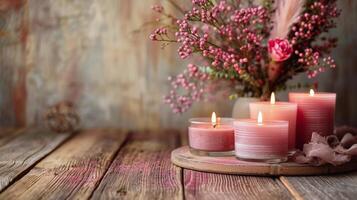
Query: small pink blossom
x=153, y=37
x=279, y=49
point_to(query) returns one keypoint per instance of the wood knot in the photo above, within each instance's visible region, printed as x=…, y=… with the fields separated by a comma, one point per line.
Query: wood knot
x=122, y=191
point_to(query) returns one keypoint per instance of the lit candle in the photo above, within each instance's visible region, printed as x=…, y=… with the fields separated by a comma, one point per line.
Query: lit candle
x=315, y=113
x=274, y=110
x=258, y=140
x=213, y=136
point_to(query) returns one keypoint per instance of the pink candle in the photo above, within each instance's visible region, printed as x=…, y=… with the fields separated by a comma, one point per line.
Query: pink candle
x=207, y=136
x=261, y=141
x=316, y=113
x=273, y=110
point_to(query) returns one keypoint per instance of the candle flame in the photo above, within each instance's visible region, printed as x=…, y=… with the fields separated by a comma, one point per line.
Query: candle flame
x=214, y=119
x=260, y=118
x=312, y=93
x=272, y=98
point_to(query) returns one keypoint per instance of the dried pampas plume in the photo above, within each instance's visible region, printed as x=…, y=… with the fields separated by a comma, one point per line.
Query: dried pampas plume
x=287, y=13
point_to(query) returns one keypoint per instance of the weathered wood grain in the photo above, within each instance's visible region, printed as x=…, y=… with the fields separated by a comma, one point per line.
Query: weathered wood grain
x=21, y=153
x=142, y=170
x=342, y=186
x=72, y=171
x=7, y=134
x=201, y=185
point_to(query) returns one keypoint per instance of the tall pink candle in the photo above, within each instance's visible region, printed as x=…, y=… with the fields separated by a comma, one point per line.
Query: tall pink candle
x=272, y=110
x=316, y=113
x=266, y=141
x=203, y=136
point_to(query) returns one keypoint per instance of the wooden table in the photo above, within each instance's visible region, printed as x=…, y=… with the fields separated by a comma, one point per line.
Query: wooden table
x=112, y=164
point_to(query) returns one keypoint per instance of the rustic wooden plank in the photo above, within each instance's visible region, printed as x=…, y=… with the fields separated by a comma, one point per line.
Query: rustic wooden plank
x=201, y=185
x=72, y=171
x=21, y=153
x=142, y=170
x=5, y=131
x=7, y=134
x=342, y=186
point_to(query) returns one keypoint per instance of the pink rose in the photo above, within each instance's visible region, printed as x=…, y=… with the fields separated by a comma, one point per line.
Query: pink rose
x=279, y=49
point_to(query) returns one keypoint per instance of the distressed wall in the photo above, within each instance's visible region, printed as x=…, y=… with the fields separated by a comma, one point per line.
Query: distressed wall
x=13, y=39
x=90, y=52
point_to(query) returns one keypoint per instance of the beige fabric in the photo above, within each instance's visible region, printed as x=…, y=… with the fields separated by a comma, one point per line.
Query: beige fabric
x=335, y=149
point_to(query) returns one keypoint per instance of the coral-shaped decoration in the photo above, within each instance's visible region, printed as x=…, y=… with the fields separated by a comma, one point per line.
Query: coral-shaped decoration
x=62, y=117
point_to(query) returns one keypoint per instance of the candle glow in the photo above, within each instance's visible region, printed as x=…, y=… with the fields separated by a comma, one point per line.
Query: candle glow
x=260, y=118
x=312, y=93
x=214, y=119
x=272, y=98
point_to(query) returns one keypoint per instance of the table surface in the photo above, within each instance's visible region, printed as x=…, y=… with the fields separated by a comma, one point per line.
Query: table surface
x=114, y=164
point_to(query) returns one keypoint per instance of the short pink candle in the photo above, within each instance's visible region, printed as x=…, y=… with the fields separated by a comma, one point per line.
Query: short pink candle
x=272, y=110
x=266, y=141
x=316, y=113
x=203, y=136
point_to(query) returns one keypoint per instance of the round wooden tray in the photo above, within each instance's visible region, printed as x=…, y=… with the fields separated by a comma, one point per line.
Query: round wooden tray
x=182, y=157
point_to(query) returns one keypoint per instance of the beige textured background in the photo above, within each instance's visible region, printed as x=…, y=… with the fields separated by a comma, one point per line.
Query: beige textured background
x=88, y=51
